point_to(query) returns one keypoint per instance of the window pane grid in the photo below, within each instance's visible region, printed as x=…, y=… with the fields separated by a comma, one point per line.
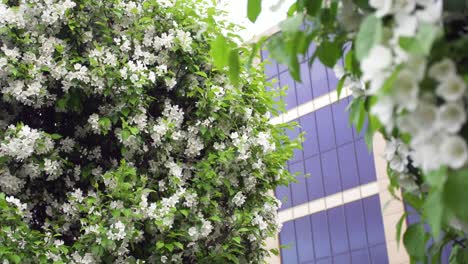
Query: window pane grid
x=328, y=237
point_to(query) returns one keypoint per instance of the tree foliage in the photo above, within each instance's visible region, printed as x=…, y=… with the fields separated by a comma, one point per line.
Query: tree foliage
x=123, y=141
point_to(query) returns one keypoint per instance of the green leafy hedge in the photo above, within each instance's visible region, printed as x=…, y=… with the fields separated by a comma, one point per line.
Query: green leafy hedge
x=122, y=142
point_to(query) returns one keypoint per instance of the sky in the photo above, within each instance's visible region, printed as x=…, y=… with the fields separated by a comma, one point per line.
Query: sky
x=237, y=13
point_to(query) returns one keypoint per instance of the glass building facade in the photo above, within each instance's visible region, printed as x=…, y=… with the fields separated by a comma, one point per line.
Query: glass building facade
x=334, y=215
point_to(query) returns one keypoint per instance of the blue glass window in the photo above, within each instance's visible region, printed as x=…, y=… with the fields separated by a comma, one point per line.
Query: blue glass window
x=299, y=188
x=331, y=172
x=352, y=234
x=290, y=98
x=325, y=130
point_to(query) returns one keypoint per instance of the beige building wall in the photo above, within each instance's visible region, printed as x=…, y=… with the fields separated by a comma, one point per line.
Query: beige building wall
x=392, y=208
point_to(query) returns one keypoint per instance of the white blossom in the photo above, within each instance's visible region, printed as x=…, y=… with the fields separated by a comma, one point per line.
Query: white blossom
x=52, y=168
x=405, y=90
x=375, y=66
x=9, y=183
x=442, y=69
x=383, y=110
x=206, y=228
x=259, y=221
x=21, y=206
x=454, y=151
x=193, y=232
x=238, y=199
x=403, y=6
x=67, y=144
x=406, y=25
x=452, y=88
x=93, y=120
x=22, y=145
x=117, y=231
x=263, y=139
x=452, y=116
x=77, y=195
x=174, y=169
x=427, y=154
x=431, y=13
x=383, y=7
x=422, y=123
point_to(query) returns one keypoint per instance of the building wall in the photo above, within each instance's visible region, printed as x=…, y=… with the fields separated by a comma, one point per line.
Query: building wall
x=335, y=215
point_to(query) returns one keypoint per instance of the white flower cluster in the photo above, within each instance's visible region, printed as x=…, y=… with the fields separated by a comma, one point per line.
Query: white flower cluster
x=397, y=154
x=246, y=141
x=201, y=232
x=21, y=206
x=117, y=231
x=434, y=127
x=33, y=151
x=238, y=199
x=20, y=144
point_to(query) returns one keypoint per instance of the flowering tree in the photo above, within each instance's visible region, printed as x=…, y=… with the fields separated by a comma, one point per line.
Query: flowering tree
x=406, y=63
x=120, y=142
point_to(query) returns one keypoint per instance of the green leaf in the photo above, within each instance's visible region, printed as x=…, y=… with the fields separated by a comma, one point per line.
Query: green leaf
x=133, y=130
x=243, y=229
x=313, y=7
x=55, y=136
x=278, y=50
x=234, y=67
x=275, y=251
x=420, y=44
x=293, y=47
x=254, y=7
x=455, y=193
x=59, y=48
x=178, y=244
x=159, y=245
x=254, y=51
x=125, y=134
x=427, y=34
x=292, y=24
x=339, y=86
x=105, y=123
x=389, y=82
x=357, y=113
x=15, y=258
x=327, y=17
x=433, y=211
x=292, y=9
x=373, y=125
x=184, y=212
x=363, y=4
x=219, y=50
x=329, y=53
x=125, y=112
x=458, y=255
x=399, y=226
x=215, y=218
x=237, y=239
x=414, y=240
x=370, y=33
x=436, y=178
x=170, y=247
x=415, y=201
